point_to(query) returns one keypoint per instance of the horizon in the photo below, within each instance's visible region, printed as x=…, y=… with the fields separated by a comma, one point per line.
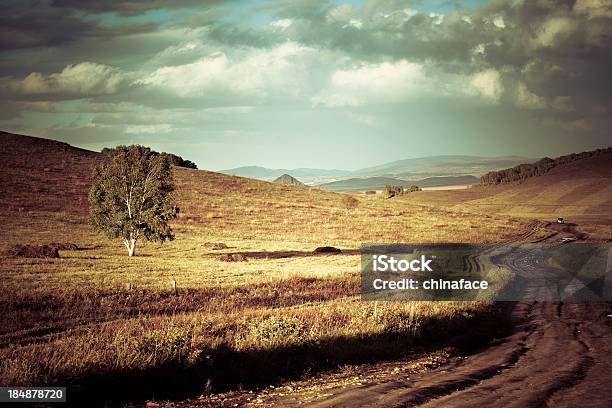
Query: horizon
x=352, y=170
x=318, y=84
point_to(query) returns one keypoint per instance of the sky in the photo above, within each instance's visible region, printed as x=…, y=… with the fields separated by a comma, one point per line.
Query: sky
x=310, y=83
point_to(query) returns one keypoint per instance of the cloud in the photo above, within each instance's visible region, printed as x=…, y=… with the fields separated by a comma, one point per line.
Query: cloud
x=281, y=24
x=486, y=84
x=74, y=81
x=35, y=24
x=194, y=65
x=122, y=7
x=387, y=82
x=256, y=73
x=148, y=129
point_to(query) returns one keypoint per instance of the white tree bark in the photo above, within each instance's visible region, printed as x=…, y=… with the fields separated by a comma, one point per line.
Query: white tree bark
x=130, y=244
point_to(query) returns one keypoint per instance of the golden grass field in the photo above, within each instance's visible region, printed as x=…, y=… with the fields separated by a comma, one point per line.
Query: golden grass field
x=95, y=316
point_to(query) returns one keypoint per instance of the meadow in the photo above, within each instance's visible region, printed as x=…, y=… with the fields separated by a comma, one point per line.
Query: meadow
x=176, y=320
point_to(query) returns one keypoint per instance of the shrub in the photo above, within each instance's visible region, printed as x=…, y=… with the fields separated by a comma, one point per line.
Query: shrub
x=276, y=330
x=32, y=251
x=393, y=191
x=350, y=202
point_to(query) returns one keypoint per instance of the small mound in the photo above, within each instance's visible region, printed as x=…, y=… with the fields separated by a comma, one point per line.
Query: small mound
x=327, y=250
x=64, y=246
x=215, y=246
x=32, y=251
x=233, y=258
x=288, y=180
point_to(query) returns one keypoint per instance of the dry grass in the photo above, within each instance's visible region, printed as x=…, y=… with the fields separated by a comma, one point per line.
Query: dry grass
x=73, y=320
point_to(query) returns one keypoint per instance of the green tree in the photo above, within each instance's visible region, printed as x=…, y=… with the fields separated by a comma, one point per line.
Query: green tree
x=393, y=191
x=131, y=196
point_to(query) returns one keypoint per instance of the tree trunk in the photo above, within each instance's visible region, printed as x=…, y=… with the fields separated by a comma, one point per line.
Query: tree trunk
x=130, y=244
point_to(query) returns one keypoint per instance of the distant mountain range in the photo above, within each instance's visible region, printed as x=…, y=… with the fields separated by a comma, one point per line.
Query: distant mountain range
x=264, y=173
x=405, y=170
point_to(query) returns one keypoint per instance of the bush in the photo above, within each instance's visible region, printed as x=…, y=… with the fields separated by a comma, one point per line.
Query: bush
x=32, y=251
x=350, y=202
x=276, y=330
x=393, y=191
x=415, y=188
x=180, y=162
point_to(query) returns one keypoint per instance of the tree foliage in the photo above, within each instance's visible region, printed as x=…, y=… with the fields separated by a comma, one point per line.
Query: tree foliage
x=131, y=196
x=180, y=162
x=393, y=191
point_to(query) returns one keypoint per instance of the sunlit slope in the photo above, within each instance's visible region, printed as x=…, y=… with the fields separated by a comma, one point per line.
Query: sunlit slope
x=43, y=175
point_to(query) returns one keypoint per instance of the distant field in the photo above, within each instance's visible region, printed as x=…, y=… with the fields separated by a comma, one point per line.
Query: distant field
x=443, y=188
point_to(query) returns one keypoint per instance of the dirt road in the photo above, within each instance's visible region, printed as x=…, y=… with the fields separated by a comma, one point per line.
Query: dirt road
x=560, y=354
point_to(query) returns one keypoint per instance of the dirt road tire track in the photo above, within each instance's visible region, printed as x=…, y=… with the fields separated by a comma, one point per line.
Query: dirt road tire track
x=559, y=355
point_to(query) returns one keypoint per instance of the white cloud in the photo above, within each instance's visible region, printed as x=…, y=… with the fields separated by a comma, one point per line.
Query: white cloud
x=85, y=78
x=528, y=100
x=437, y=18
x=258, y=72
x=281, y=24
x=354, y=23
x=148, y=129
x=340, y=13
x=373, y=83
x=498, y=21
x=553, y=30
x=486, y=84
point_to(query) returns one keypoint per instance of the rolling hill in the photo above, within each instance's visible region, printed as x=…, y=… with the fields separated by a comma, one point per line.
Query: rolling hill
x=44, y=189
x=581, y=189
x=288, y=180
x=442, y=166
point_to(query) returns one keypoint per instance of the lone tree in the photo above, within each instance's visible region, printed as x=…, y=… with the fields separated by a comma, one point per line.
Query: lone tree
x=131, y=196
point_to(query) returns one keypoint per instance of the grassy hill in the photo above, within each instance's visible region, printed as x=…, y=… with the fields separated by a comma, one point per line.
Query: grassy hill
x=288, y=180
x=580, y=190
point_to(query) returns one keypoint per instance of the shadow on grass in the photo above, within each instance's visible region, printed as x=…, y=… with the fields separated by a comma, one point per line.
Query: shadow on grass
x=224, y=368
x=288, y=254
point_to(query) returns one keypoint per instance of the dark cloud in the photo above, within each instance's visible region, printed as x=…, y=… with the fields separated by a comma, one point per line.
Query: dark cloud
x=37, y=24
x=126, y=7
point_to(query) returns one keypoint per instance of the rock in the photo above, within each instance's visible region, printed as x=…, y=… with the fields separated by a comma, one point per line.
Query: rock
x=215, y=246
